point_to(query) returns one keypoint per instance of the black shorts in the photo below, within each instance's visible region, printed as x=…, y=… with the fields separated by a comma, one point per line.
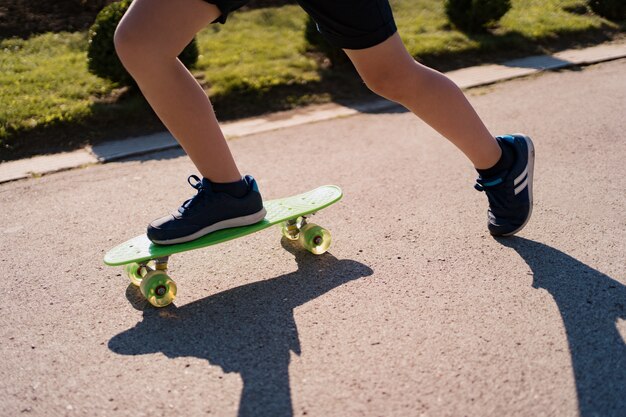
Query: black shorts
x=346, y=24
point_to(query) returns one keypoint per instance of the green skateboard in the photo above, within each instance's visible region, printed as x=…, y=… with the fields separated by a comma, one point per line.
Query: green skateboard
x=146, y=262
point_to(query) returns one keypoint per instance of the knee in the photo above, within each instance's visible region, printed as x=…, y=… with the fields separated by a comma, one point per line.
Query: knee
x=133, y=49
x=126, y=44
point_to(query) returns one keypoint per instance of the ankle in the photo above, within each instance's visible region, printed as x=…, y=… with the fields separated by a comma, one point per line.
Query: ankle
x=489, y=156
x=504, y=162
x=235, y=189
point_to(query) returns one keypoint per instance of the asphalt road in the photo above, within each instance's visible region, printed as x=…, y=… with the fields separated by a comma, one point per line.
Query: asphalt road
x=415, y=310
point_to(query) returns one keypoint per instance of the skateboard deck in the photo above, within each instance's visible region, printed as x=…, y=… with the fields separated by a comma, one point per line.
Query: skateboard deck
x=146, y=262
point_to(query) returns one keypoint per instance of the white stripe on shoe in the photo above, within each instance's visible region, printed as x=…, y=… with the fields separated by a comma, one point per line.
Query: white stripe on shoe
x=521, y=187
x=521, y=176
x=529, y=182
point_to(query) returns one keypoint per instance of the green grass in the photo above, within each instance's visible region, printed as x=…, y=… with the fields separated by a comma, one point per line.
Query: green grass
x=44, y=82
x=529, y=24
x=256, y=51
x=256, y=62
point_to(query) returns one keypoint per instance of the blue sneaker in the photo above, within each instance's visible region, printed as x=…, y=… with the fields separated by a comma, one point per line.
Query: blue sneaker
x=207, y=212
x=511, y=194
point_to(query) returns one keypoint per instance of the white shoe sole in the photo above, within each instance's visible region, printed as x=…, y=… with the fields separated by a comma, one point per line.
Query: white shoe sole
x=225, y=224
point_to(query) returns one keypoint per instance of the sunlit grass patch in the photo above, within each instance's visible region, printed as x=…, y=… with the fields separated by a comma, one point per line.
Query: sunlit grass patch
x=425, y=29
x=255, y=63
x=256, y=51
x=44, y=81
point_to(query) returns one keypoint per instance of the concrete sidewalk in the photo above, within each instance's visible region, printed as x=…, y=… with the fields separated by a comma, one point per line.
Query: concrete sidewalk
x=466, y=78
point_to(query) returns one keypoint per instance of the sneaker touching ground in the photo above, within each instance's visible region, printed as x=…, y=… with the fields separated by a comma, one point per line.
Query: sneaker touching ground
x=207, y=212
x=510, y=194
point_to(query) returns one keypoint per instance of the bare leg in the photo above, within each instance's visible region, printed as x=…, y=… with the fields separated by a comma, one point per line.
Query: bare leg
x=390, y=71
x=148, y=40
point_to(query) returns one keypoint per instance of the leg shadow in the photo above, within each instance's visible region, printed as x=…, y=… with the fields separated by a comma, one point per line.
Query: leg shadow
x=250, y=329
x=590, y=303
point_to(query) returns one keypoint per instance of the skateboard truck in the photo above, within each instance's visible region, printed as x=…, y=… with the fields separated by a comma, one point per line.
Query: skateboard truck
x=291, y=228
x=158, y=264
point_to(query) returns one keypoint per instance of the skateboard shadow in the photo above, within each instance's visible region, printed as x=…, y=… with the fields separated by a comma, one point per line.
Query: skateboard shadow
x=590, y=303
x=250, y=329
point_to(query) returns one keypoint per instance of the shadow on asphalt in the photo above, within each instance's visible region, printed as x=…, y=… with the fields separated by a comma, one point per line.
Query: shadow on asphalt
x=375, y=106
x=164, y=155
x=250, y=329
x=590, y=303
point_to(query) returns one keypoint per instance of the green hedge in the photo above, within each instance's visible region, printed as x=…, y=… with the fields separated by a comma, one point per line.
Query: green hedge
x=611, y=9
x=476, y=15
x=101, y=56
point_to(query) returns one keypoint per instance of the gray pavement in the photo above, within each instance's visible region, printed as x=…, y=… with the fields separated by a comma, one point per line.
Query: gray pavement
x=415, y=311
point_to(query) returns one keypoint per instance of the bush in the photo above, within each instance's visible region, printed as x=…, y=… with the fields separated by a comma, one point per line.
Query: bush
x=476, y=15
x=611, y=9
x=101, y=56
x=316, y=42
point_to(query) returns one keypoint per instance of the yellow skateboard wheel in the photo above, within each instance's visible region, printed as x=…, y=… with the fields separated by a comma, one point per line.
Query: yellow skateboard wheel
x=315, y=238
x=158, y=288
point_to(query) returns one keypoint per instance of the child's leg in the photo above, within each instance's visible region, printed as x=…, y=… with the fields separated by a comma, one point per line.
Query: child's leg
x=390, y=71
x=505, y=164
x=148, y=40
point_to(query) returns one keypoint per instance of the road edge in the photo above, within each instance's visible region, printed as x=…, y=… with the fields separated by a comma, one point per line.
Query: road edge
x=466, y=78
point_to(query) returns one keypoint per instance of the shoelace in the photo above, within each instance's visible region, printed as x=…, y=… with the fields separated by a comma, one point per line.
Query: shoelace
x=202, y=192
x=496, y=199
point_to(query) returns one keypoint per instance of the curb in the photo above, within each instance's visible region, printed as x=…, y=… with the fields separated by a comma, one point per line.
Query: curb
x=466, y=78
